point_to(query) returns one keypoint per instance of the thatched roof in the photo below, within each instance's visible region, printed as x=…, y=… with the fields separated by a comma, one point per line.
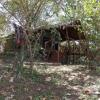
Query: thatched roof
x=72, y=31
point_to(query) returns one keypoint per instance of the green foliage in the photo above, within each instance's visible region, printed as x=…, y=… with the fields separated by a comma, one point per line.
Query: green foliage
x=88, y=11
x=98, y=70
x=55, y=35
x=2, y=22
x=25, y=12
x=34, y=75
x=2, y=98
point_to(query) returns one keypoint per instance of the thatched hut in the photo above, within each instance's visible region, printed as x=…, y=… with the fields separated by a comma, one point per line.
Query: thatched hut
x=60, y=42
x=68, y=46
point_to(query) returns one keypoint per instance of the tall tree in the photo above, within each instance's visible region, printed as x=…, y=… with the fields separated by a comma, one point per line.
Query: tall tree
x=26, y=13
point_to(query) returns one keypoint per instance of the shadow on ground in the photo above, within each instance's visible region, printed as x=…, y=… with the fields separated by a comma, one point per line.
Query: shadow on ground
x=48, y=82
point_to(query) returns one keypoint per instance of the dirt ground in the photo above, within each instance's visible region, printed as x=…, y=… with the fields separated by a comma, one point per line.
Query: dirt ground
x=49, y=82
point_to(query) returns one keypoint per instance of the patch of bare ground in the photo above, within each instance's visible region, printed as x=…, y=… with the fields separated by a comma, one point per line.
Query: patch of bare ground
x=49, y=82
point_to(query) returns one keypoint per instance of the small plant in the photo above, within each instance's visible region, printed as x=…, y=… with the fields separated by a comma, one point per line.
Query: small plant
x=2, y=97
x=34, y=75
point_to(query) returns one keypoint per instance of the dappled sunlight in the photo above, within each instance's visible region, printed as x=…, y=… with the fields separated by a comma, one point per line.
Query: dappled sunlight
x=57, y=68
x=56, y=81
x=48, y=79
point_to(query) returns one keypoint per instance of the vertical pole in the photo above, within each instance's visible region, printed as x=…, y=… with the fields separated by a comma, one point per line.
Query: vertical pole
x=68, y=47
x=58, y=53
x=73, y=52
